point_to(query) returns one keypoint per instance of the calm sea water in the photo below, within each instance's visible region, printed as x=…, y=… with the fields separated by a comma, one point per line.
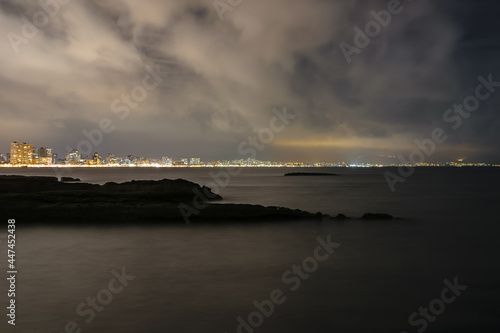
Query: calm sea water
x=201, y=278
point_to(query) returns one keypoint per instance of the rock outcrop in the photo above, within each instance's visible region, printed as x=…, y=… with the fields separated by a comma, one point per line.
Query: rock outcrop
x=45, y=199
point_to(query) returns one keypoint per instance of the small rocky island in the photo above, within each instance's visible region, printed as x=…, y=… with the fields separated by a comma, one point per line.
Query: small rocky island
x=48, y=200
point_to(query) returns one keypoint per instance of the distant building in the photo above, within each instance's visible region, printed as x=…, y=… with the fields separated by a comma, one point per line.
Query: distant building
x=21, y=153
x=45, y=160
x=141, y=161
x=73, y=157
x=185, y=161
x=110, y=158
x=130, y=159
x=165, y=160
x=44, y=152
x=194, y=161
x=43, y=155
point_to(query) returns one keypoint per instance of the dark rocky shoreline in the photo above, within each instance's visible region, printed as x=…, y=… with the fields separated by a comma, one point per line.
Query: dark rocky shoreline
x=47, y=200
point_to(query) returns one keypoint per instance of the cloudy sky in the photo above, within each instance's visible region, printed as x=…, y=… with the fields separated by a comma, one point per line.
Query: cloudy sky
x=223, y=70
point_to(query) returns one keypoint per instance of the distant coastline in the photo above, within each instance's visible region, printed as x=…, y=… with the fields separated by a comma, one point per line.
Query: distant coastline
x=273, y=165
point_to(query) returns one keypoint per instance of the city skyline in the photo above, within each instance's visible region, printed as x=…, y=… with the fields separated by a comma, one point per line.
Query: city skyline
x=26, y=154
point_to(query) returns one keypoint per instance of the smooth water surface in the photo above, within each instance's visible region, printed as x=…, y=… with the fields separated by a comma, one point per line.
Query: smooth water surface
x=201, y=278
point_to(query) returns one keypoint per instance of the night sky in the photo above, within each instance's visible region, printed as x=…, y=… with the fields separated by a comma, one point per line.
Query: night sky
x=220, y=79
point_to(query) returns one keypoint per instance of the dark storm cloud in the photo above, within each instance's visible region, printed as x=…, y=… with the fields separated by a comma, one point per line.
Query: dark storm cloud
x=12, y=7
x=225, y=77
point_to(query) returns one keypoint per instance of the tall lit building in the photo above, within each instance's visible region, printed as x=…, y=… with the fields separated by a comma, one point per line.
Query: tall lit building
x=73, y=157
x=21, y=153
x=44, y=152
x=194, y=161
x=44, y=155
x=185, y=161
